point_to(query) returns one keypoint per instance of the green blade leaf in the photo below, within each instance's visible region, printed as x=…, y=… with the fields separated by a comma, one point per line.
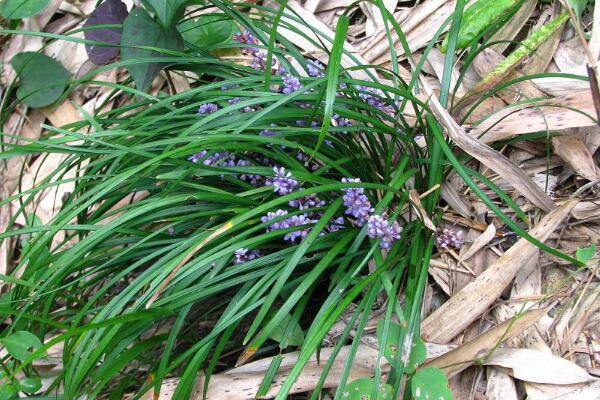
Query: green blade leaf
x=139, y=29
x=43, y=79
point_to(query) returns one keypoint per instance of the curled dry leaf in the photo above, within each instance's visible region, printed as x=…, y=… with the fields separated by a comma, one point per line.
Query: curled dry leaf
x=480, y=242
x=547, y=368
x=500, y=386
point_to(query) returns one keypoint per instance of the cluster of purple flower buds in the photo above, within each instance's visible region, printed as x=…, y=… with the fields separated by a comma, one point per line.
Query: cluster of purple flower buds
x=308, y=201
x=290, y=84
x=224, y=159
x=380, y=228
x=449, y=238
x=315, y=69
x=207, y=108
x=242, y=255
x=282, y=182
x=295, y=220
x=373, y=97
x=259, y=60
x=356, y=202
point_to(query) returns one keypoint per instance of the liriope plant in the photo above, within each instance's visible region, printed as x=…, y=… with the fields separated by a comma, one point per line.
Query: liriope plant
x=242, y=216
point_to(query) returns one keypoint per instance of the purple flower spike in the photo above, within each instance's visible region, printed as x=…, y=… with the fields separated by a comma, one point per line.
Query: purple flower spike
x=298, y=220
x=275, y=225
x=335, y=225
x=242, y=255
x=315, y=69
x=380, y=228
x=356, y=202
x=234, y=100
x=450, y=238
x=290, y=84
x=207, y=108
x=308, y=201
x=197, y=156
x=282, y=182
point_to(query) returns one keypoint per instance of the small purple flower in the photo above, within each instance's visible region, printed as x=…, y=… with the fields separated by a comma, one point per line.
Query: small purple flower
x=242, y=255
x=207, y=108
x=290, y=84
x=197, y=156
x=275, y=225
x=282, y=182
x=254, y=180
x=315, y=69
x=267, y=133
x=244, y=37
x=308, y=201
x=234, y=100
x=224, y=159
x=303, y=122
x=298, y=220
x=373, y=97
x=450, y=238
x=356, y=202
x=341, y=121
x=335, y=225
x=380, y=228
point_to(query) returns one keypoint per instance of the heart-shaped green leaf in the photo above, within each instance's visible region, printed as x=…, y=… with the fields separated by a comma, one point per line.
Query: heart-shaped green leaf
x=17, y=9
x=139, y=29
x=362, y=389
x=168, y=11
x=30, y=384
x=21, y=344
x=43, y=79
x=208, y=30
x=430, y=383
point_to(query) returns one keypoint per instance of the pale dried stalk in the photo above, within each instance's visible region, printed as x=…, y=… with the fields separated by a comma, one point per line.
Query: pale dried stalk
x=474, y=299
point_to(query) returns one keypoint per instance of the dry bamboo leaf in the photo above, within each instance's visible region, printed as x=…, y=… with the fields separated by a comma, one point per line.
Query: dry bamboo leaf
x=437, y=59
x=570, y=57
x=560, y=86
x=587, y=210
x=456, y=201
x=467, y=354
x=374, y=18
x=562, y=112
x=480, y=242
x=500, y=386
x=573, y=150
x=488, y=156
x=415, y=200
x=548, y=368
x=487, y=60
x=590, y=391
x=475, y=298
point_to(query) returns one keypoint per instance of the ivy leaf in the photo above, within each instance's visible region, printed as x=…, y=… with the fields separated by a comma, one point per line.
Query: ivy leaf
x=361, y=389
x=17, y=9
x=208, y=30
x=296, y=338
x=418, y=351
x=168, y=11
x=21, y=344
x=43, y=79
x=109, y=12
x=30, y=384
x=585, y=254
x=430, y=383
x=139, y=29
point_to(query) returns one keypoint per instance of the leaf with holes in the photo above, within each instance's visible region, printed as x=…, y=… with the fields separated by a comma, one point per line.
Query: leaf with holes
x=430, y=383
x=208, y=30
x=418, y=351
x=168, y=11
x=43, y=79
x=362, y=389
x=139, y=29
x=21, y=344
x=17, y=9
x=109, y=12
